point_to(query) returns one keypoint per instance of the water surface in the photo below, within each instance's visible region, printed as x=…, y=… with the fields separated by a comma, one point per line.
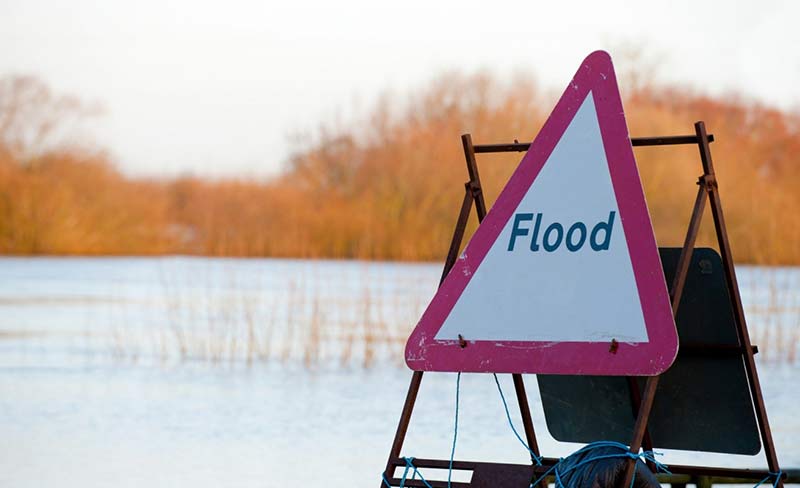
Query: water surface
x=198, y=372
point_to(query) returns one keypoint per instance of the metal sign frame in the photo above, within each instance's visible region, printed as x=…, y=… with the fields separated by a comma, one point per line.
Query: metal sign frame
x=642, y=401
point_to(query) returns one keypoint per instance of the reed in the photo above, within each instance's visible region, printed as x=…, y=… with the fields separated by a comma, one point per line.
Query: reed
x=322, y=320
x=772, y=307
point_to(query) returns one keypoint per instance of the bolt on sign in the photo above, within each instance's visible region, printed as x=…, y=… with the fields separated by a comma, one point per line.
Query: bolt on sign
x=563, y=275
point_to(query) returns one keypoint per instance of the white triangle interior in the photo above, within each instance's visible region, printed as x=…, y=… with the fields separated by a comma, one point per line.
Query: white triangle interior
x=562, y=295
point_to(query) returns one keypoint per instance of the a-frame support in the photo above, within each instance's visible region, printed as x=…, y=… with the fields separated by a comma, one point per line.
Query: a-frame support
x=642, y=401
x=707, y=183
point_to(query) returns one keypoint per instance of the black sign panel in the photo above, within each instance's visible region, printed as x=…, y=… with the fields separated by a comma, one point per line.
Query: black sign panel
x=703, y=401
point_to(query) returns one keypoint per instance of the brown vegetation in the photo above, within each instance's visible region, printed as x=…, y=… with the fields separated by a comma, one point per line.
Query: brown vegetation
x=387, y=187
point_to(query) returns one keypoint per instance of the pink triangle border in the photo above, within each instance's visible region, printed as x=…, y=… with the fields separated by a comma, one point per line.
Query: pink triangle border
x=423, y=353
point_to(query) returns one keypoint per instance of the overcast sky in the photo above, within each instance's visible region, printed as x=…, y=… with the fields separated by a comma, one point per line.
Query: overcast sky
x=215, y=88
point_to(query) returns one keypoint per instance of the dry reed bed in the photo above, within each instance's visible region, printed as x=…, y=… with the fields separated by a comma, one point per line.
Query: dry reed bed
x=772, y=306
x=320, y=320
x=308, y=319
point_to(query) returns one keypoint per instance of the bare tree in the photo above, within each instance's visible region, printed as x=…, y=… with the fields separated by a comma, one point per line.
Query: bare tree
x=34, y=120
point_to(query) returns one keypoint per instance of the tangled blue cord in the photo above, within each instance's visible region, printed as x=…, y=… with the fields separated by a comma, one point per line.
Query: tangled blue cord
x=455, y=430
x=558, y=470
x=409, y=460
x=414, y=472
x=776, y=476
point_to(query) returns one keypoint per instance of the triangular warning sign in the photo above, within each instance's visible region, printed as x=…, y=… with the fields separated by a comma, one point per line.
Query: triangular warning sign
x=563, y=276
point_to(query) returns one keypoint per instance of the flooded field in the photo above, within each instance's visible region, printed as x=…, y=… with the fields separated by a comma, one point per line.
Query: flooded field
x=218, y=372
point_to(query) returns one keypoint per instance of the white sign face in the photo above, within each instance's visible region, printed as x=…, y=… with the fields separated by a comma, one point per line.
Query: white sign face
x=578, y=280
x=563, y=275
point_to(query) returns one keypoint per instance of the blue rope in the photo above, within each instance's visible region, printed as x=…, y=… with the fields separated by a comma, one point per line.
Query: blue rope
x=409, y=460
x=557, y=473
x=455, y=430
x=534, y=457
x=414, y=473
x=777, y=477
x=626, y=453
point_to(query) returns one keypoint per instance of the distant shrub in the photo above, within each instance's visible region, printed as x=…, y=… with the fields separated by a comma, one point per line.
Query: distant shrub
x=385, y=187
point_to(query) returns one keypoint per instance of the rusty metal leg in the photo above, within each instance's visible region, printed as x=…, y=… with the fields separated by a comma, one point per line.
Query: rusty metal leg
x=733, y=289
x=474, y=177
x=676, y=291
x=641, y=425
x=636, y=402
x=458, y=233
x=525, y=412
x=416, y=378
x=402, y=426
x=474, y=186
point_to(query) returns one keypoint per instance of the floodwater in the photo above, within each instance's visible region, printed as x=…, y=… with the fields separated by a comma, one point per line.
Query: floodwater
x=262, y=373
